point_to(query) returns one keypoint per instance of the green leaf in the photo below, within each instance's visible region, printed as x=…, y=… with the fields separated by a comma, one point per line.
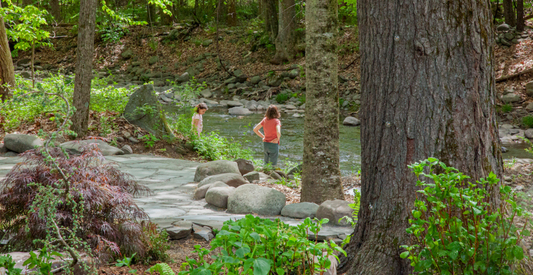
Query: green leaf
x=518, y=252
x=261, y=266
x=404, y=254
x=280, y=271
x=242, y=251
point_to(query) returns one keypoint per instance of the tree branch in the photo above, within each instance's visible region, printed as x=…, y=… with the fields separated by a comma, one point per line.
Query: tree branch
x=505, y=78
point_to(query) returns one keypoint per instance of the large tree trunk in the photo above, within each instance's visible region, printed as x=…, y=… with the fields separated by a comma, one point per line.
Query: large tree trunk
x=7, y=70
x=321, y=172
x=84, y=66
x=426, y=92
x=520, y=24
x=286, y=39
x=271, y=18
x=166, y=19
x=508, y=12
x=55, y=10
x=232, y=13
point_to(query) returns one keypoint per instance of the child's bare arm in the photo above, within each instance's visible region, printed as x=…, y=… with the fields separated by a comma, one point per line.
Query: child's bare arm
x=256, y=130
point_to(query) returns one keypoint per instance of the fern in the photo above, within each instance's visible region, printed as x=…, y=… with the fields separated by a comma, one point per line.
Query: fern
x=162, y=269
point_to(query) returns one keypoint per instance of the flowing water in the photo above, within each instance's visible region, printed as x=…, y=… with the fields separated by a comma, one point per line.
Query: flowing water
x=292, y=131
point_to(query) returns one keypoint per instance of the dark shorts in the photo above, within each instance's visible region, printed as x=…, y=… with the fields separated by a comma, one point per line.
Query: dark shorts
x=271, y=152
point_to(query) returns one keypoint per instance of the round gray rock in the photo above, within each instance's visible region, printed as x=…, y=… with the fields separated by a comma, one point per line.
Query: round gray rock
x=251, y=198
x=334, y=210
x=218, y=196
x=20, y=143
x=215, y=168
x=245, y=166
x=510, y=98
x=529, y=133
x=127, y=149
x=351, y=121
x=300, y=210
x=225, y=178
x=200, y=191
x=239, y=111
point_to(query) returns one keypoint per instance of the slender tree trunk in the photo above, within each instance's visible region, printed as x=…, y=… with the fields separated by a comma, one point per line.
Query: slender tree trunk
x=271, y=20
x=509, y=13
x=165, y=18
x=321, y=172
x=151, y=14
x=55, y=10
x=84, y=66
x=7, y=70
x=232, y=13
x=286, y=40
x=27, y=2
x=33, y=64
x=422, y=96
x=196, y=6
x=520, y=24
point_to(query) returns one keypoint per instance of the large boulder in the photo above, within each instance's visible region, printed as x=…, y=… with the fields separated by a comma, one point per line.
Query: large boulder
x=239, y=111
x=179, y=230
x=334, y=210
x=218, y=196
x=251, y=198
x=75, y=147
x=20, y=143
x=144, y=110
x=300, y=210
x=215, y=168
x=245, y=166
x=231, y=179
x=200, y=191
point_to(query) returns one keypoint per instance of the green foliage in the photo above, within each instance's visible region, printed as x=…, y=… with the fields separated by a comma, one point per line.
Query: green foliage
x=112, y=33
x=25, y=105
x=43, y=262
x=127, y=261
x=507, y=108
x=260, y=246
x=162, y=269
x=213, y=146
x=149, y=140
x=157, y=241
x=455, y=228
x=282, y=98
x=6, y=261
x=348, y=11
x=356, y=205
x=26, y=26
x=188, y=90
x=527, y=121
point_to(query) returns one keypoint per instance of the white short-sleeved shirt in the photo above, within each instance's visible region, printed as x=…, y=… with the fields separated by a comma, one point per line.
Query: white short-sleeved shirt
x=199, y=117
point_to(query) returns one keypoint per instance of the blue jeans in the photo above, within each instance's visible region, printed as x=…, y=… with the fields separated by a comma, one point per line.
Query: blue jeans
x=271, y=152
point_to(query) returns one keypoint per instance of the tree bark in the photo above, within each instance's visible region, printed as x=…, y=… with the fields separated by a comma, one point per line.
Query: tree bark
x=232, y=13
x=271, y=20
x=321, y=171
x=7, y=70
x=427, y=91
x=520, y=22
x=508, y=13
x=166, y=19
x=84, y=66
x=286, y=40
x=55, y=10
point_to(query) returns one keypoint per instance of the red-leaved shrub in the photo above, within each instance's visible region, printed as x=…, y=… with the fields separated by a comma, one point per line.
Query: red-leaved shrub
x=112, y=224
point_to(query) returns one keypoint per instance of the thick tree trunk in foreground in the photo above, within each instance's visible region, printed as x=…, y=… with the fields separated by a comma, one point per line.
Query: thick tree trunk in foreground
x=84, y=66
x=321, y=172
x=271, y=18
x=520, y=24
x=7, y=70
x=286, y=40
x=508, y=13
x=426, y=92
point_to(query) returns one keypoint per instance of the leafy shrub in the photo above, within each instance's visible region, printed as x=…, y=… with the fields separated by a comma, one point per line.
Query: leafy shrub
x=6, y=261
x=112, y=33
x=455, y=228
x=157, y=243
x=25, y=106
x=260, y=246
x=356, y=205
x=528, y=121
x=92, y=199
x=507, y=108
x=282, y=98
x=162, y=269
x=213, y=146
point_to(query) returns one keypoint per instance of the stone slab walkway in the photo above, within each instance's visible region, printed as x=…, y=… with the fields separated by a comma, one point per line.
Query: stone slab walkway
x=171, y=181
